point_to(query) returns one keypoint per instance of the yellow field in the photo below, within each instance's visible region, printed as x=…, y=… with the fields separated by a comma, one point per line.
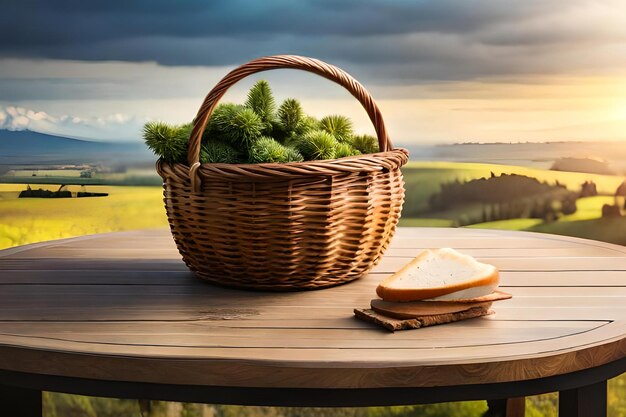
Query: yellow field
x=35, y=173
x=28, y=220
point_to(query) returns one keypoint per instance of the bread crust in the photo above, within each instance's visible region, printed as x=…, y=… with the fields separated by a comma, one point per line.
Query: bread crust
x=413, y=309
x=416, y=294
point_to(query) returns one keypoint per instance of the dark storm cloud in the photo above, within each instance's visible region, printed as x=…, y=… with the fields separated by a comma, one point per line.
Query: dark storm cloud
x=443, y=39
x=40, y=23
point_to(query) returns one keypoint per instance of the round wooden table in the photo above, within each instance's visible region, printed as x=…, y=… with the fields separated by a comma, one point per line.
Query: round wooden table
x=120, y=315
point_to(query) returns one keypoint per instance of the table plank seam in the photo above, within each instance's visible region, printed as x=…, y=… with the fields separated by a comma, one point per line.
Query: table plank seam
x=292, y=347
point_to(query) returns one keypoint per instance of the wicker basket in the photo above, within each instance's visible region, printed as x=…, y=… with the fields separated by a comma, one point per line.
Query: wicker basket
x=290, y=226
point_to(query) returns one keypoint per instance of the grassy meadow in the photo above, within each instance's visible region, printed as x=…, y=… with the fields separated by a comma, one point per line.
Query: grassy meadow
x=585, y=223
x=424, y=178
x=131, y=176
x=32, y=220
x=29, y=220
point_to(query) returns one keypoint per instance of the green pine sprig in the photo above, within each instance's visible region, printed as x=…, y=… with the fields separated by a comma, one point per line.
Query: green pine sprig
x=166, y=141
x=343, y=149
x=338, y=126
x=261, y=101
x=365, y=143
x=294, y=155
x=219, y=124
x=290, y=115
x=317, y=145
x=218, y=152
x=267, y=150
x=239, y=127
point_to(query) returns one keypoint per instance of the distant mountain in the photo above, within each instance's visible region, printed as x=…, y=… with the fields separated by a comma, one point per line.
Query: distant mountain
x=589, y=165
x=538, y=155
x=26, y=147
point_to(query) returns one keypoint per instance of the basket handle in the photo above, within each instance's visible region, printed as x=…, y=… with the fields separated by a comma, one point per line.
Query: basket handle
x=277, y=62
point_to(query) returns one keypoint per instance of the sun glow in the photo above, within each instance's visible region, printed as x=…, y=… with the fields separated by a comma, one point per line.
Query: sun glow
x=620, y=111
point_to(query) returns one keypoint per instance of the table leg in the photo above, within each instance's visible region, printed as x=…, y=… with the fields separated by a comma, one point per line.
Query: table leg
x=510, y=407
x=589, y=401
x=20, y=402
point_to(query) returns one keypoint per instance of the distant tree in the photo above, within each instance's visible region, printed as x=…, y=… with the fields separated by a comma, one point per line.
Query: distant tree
x=620, y=193
x=568, y=206
x=509, y=196
x=588, y=189
x=611, y=210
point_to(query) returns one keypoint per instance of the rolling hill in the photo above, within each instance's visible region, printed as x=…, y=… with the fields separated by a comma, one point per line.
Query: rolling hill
x=32, y=148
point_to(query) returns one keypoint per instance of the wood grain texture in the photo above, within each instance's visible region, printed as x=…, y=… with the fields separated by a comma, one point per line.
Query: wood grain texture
x=124, y=307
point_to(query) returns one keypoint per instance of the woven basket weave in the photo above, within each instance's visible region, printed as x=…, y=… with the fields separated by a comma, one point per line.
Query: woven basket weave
x=300, y=225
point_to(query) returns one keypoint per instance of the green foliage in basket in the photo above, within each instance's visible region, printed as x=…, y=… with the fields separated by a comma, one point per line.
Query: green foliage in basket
x=267, y=149
x=293, y=155
x=365, y=143
x=218, y=152
x=338, y=126
x=242, y=128
x=219, y=124
x=343, y=149
x=165, y=141
x=257, y=132
x=261, y=101
x=317, y=144
x=290, y=114
x=307, y=124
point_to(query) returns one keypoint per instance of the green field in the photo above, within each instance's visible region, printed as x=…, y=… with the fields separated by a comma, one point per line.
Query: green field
x=133, y=176
x=424, y=178
x=588, y=208
x=513, y=224
x=426, y=222
x=585, y=223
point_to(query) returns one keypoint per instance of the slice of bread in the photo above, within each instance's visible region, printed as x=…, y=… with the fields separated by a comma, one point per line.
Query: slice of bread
x=440, y=275
x=412, y=309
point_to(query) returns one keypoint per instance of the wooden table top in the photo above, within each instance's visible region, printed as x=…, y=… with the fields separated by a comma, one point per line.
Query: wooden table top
x=123, y=307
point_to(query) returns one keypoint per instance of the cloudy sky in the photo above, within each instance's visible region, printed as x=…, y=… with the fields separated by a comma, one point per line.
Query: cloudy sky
x=441, y=71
